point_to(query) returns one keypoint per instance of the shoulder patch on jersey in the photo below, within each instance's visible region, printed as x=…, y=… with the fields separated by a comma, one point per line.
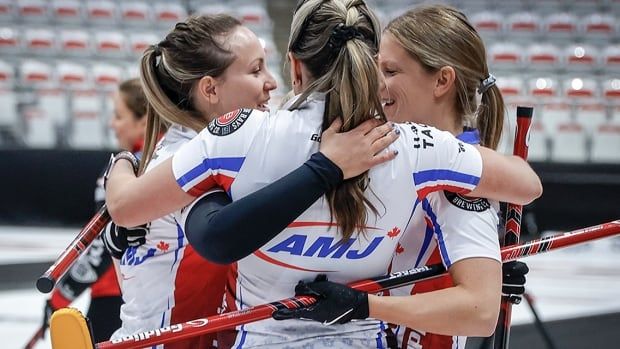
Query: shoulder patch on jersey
x=467, y=204
x=229, y=122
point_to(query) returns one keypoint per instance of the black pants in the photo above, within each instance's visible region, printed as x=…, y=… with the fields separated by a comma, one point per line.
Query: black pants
x=104, y=315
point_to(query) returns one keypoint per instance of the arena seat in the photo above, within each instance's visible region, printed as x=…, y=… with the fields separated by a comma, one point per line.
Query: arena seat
x=110, y=43
x=167, y=14
x=543, y=56
x=36, y=73
x=505, y=55
x=606, y=143
x=487, y=23
x=523, y=25
x=136, y=13
x=9, y=40
x=598, y=26
x=569, y=143
x=560, y=26
x=9, y=118
x=32, y=10
x=103, y=12
x=580, y=57
x=72, y=75
x=211, y=9
x=106, y=76
x=74, y=42
x=40, y=130
x=87, y=129
x=67, y=11
x=138, y=42
x=7, y=10
x=40, y=41
x=254, y=17
x=611, y=58
x=538, y=149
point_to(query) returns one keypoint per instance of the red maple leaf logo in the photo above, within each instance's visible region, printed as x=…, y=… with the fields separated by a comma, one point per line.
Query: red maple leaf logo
x=163, y=246
x=399, y=249
x=393, y=233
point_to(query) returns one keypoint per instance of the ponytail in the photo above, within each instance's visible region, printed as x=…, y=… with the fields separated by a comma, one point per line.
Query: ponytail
x=490, y=119
x=338, y=42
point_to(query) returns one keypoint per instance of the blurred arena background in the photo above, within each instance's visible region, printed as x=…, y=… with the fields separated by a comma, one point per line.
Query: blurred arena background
x=60, y=61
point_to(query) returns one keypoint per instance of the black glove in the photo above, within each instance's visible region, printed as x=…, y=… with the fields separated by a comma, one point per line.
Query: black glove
x=336, y=303
x=117, y=239
x=513, y=280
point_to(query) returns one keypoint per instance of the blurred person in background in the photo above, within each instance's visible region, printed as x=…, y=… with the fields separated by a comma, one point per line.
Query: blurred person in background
x=94, y=269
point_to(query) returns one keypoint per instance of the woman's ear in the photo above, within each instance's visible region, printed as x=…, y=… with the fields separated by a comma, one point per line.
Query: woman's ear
x=296, y=76
x=207, y=90
x=446, y=77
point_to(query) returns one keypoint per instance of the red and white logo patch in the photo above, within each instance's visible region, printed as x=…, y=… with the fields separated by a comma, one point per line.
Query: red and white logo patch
x=229, y=122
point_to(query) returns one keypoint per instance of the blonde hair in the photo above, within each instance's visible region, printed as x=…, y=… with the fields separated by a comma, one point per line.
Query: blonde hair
x=337, y=41
x=170, y=70
x=438, y=36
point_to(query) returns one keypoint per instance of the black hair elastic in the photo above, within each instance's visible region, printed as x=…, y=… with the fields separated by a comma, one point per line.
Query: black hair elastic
x=341, y=34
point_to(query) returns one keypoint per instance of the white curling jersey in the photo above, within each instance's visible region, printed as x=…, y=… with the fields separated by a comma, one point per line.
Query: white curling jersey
x=246, y=150
x=165, y=281
x=445, y=227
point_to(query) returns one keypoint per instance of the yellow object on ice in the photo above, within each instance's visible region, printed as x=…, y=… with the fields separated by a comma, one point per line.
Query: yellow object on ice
x=69, y=329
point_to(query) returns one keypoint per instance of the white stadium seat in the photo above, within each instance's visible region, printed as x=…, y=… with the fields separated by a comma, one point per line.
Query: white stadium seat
x=538, y=148
x=511, y=87
x=606, y=144
x=560, y=26
x=579, y=57
x=107, y=77
x=591, y=114
x=554, y=112
x=167, y=14
x=488, y=24
x=7, y=10
x=598, y=26
x=543, y=57
x=611, y=58
x=136, y=13
x=9, y=40
x=569, y=143
x=255, y=17
x=87, y=131
x=541, y=87
x=36, y=73
x=32, y=10
x=72, y=75
x=75, y=42
x=578, y=87
x=523, y=25
x=67, y=11
x=40, y=41
x=138, y=42
x=505, y=55
x=102, y=12
x=213, y=9
x=9, y=118
x=110, y=43
x=40, y=130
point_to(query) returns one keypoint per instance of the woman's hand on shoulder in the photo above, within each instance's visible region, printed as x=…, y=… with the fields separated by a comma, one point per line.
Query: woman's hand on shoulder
x=361, y=148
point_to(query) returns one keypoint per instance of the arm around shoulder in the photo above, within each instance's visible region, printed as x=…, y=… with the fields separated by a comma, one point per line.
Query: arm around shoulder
x=507, y=178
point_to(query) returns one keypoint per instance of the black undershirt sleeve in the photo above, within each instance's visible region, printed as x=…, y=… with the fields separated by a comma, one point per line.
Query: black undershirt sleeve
x=224, y=232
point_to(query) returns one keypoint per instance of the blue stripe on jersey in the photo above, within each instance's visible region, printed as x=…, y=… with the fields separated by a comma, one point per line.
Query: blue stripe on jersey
x=230, y=164
x=428, y=236
x=242, y=329
x=379, y=340
x=442, y=245
x=470, y=136
x=448, y=175
x=180, y=236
